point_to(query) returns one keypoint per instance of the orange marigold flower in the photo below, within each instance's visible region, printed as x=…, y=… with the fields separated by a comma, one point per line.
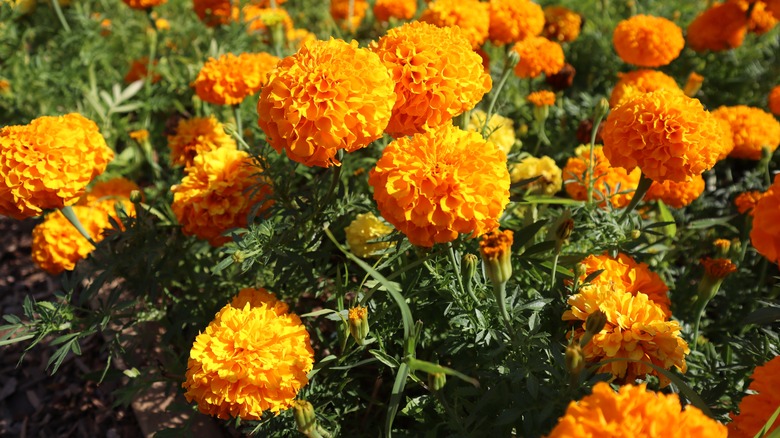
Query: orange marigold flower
x=726, y=138
x=722, y=245
x=538, y=55
x=561, y=24
x=665, y=133
x=648, y=41
x=139, y=70
x=721, y=27
x=339, y=10
x=330, y=95
x=676, y=194
x=636, y=328
x=514, y=20
x=259, y=18
x=765, y=234
x=756, y=409
x=432, y=186
x=760, y=20
x=144, y=4
x=5, y=86
x=56, y=244
x=773, y=6
x=296, y=38
x=253, y=357
x=611, y=183
x=215, y=12
x=115, y=188
x=140, y=135
x=48, y=163
x=640, y=81
x=472, y=16
x=752, y=128
x=747, y=201
x=217, y=193
x=774, y=100
x=196, y=136
x=634, y=411
x=549, y=175
x=718, y=268
x=437, y=76
x=364, y=229
x=624, y=273
x=230, y=79
x=542, y=98
x=400, y=9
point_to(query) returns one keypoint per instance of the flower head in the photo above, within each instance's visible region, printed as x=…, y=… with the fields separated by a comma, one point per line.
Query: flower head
x=550, y=179
x=217, y=193
x=640, y=81
x=500, y=130
x=433, y=187
x=140, y=135
x=668, y=135
x=721, y=27
x=196, y=136
x=676, y=194
x=400, y=9
x=339, y=10
x=358, y=323
x=115, y=188
x=538, y=55
x=746, y=201
x=365, y=228
x=514, y=20
x=611, y=184
x=773, y=100
x=561, y=24
x=296, y=38
x=496, y=250
x=330, y=95
x=756, y=409
x=259, y=18
x=143, y=4
x=760, y=20
x=253, y=357
x=230, y=79
x=215, y=12
x=648, y=41
x=139, y=70
x=542, y=98
x=48, y=163
x=752, y=128
x=56, y=244
x=634, y=411
x=437, y=76
x=718, y=268
x=472, y=16
x=765, y=234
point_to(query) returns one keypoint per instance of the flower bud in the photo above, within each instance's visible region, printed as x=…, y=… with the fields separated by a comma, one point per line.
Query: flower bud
x=136, y=196
x=468, y=268
x=238, y=257
x=305, y=418
x=593, y=326
x=436, y=381
x=496, y=250
x=636, y=234
x=575, y=359
x=722, y=247
x=715, y=270
x=693, y=85
x=541, y=113
x=563, y=79
x=561, y=230
x=600, y=110
x=512, y=59
x=358, y=324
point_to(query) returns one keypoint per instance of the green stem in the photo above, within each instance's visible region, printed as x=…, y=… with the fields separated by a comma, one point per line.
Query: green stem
x=641, y=190
x=496, y=91
x=456, y=267
x=589, y=177
x=239, y=125
x=150, y=76
x=699, y=312
x=499, y=291
x=70, y=215
x=58, y=10
x=554, y=268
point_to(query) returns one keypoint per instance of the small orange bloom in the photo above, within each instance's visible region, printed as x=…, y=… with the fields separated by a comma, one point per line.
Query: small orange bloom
x=196, y=136
x=215, y=12
x=339, y=10
x=747, y=201
x=721, y=27
x=400, y=9
x=611, y=183
x=718, y=268
x=752, y=128
x=230, y=79
x=538, y=55
x=648, y=41
x=765, y=234
x=259, y=19
x=139, y=70
x=774, y=100
x=561, y=24
x=640, y=81
x=472, y=16
x=143, y=4
x=676, y=194
x=542, y=98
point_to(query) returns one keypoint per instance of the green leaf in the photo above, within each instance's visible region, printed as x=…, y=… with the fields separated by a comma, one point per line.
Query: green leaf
x=771, y=421
x=395, y=397
x=385, y=358
x=430, y=368
x=766, y=315
x=550, y=200
x=713, y=222
x=666, y=215
x=524, y=235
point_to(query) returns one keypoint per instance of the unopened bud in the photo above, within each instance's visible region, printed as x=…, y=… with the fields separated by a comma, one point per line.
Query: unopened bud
x=136, y=196
x=601, y=109
x=512, y=59
x=693, y=85
x=358, y=324
x=593, y=326
x=715, y=270
x=305, y=418
x=722, y=247
x=575, y=359
x=468, y=268
x=238, y=257
x=541, y=113
x=436, y=381
x=496, y=250
x=561, y=230
x=635, y=234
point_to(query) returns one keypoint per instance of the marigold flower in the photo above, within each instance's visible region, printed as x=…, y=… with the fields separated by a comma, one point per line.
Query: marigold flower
x=143, y=4
x=230, y=79
x=760, y=20
x=722, y=245
x=358, y=324
x=115, y=188
x=437, y=76
x=514, y=20
x=48, y=163
x=550, y=176
x=253, y=357
x=5, y=86
x=765, y=234
x=339, y=10
x=676, y=194
x=756, y=409
x=561, y=24
x=400, y=9
x=365, y=228
x=774, y=100
x=667, y=134
x=330, y=95
x=721, y=27
x=640, y=81
x=611, y=183
x=634, y=411
x=648, y=41
x=260, y=18
x=139, y=70
x=215, y=12
x=196, y=136
x=56, y=244
x=538, y=55
x=626, y=274
x=542, y=98
x=496, y=250
x=726, y=137
x=718, y=268
x=140, y=135
x=296, y=38
x=752, y=129
x=747, y=201
x=472, y=16
x=500, y=130
x=217, y=193
x=432, y=186
x=637, y=328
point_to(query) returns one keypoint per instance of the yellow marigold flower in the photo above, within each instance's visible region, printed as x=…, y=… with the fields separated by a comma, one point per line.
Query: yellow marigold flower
x=747, y=201
x=364, y=229
x=217, y=193
x=432, y=186
x=48, y=163
x=196, y=136
x=339, y=10
x=611, y=183
x=56, y=244
x=472, y=16
x=330, y=95
x=634, y=412
x=400, y=9
x=259, y=18
x=624, y=273
x=144, y=4
x=296, y=38
x=139, y=70
x=774, y=100
x=550, y=176
x=140, y=135
x=542, y=98
x=756, y=408
x=765, y=234
x=514, y=20
x=437, y=76
x=721, y=27
x=752, y=130
x=215, y=12
x=500, y=130
x=538, y=55
x=676, y=194
x=253, y=357
x=230, y=79
x=561, y=24
x=639, y=81
x=637, y=328
x=665, y=133
x=648, y=41
x=718, y=268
